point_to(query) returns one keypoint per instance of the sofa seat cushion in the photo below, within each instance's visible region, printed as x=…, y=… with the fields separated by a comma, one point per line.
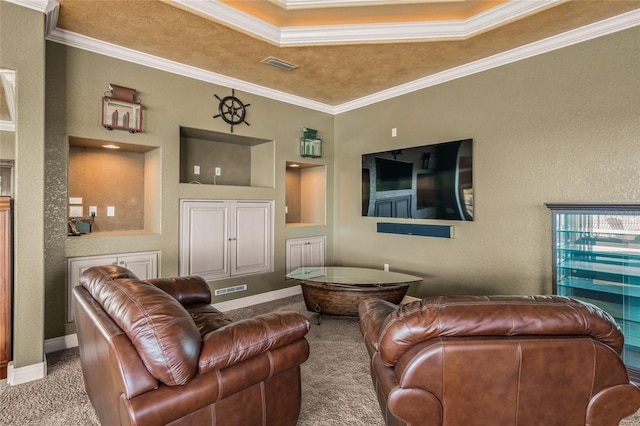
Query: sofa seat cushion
x=160, y=328
x=207, y=318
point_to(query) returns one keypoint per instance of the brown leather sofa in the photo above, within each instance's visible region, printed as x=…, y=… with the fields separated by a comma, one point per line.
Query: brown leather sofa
x=497, y=360
x=156, y=352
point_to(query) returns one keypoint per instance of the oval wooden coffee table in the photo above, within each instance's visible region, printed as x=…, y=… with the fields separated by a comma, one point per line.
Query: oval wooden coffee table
x=338, y=290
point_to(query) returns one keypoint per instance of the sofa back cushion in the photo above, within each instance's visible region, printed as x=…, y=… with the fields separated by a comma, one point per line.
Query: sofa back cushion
x=162, y=331
x=188, y=291
x=472, y=316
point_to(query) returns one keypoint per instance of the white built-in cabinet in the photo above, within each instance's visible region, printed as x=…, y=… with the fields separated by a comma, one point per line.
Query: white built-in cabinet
x=225, y=238
x=143, y=264
x=305, y=252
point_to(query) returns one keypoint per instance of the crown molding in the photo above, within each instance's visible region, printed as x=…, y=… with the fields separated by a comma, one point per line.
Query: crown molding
x=410, y=31
x=234, y=18
x=118, y=52
x=579, y=35
x=315, y=4
x=365, y=33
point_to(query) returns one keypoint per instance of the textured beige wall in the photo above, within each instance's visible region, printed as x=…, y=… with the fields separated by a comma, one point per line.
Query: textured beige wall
x=563, y=126
x=7, y=145
x=76, y=81
x=22, y=48
x=234, y=162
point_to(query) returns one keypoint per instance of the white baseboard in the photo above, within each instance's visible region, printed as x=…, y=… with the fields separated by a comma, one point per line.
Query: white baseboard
x=17, y=376
x=59, y=343
x=71, y=340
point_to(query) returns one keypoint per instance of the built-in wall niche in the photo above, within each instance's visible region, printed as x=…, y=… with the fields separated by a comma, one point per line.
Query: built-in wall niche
x=215, y=158
x=305, y=194
x=119, y=181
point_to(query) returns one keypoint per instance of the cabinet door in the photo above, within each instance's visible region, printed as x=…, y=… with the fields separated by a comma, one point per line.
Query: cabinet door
x=295, y=254
x=315, y=252
x=204, y=239
x=144, y=265
x=250, y=246
x=304, y=252
x=75, y=267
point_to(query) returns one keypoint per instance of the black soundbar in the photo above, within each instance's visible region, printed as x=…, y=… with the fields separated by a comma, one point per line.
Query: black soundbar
x=438, y=231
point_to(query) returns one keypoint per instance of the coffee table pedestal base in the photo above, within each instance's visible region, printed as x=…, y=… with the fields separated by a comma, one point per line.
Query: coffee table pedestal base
x=343, y=300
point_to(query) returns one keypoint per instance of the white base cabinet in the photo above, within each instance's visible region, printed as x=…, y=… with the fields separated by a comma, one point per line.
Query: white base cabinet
x=221, y=239
x=305, y=252
x=143, y=264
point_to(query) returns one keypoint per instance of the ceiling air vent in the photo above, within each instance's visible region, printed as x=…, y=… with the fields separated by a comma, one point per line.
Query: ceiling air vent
x=279, y=63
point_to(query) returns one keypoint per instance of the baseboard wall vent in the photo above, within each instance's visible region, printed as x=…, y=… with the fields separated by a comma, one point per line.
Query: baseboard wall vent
x=227, y=290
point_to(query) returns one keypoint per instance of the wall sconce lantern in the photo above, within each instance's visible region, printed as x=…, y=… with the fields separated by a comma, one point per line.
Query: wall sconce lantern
x=310, y=144
x=120, y=110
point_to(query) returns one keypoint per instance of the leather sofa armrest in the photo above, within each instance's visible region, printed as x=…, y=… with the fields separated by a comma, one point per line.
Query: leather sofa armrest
x=373, y=313
x=620, y=399
x=186, y=290
x=247, y=338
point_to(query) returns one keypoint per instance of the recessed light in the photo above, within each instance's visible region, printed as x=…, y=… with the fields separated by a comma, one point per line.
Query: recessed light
x=111, y=146
x=294, y=165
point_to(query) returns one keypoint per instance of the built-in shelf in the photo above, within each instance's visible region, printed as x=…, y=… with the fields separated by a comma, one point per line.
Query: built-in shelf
x=215, y=158
x=121, y=180
x=305, y=194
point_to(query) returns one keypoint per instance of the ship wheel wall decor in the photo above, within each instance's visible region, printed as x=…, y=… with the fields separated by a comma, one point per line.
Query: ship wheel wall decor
x=232, y=110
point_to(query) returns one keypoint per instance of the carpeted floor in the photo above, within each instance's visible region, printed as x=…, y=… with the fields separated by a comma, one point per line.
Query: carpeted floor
x=336, y=386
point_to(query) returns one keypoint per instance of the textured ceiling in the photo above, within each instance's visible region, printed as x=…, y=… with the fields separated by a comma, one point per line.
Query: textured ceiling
x=331, y=74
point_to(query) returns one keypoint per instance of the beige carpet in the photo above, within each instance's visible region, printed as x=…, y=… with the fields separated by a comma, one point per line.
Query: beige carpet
x=336, y=386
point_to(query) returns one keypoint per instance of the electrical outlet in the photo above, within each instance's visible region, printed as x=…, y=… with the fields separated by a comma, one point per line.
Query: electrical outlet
x=218, y=171
x=196, y=170
x=111, y=211
x=386, y=267
x=93, y=211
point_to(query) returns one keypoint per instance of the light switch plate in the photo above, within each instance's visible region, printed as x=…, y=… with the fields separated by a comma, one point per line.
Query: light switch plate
x=75, y=200
x=111, y=211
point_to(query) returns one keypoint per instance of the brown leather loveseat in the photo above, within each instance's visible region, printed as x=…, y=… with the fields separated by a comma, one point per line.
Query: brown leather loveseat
x=497, y=360
x=156, y=352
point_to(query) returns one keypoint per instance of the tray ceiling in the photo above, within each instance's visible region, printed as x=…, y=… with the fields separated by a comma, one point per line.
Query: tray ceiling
x=344, y=50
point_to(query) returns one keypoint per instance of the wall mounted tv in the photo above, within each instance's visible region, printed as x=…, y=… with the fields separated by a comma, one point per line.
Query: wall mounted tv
x=420, y=182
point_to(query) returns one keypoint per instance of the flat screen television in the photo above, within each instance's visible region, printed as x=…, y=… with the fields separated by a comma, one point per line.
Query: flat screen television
x=392, y=175
x=421, y=182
